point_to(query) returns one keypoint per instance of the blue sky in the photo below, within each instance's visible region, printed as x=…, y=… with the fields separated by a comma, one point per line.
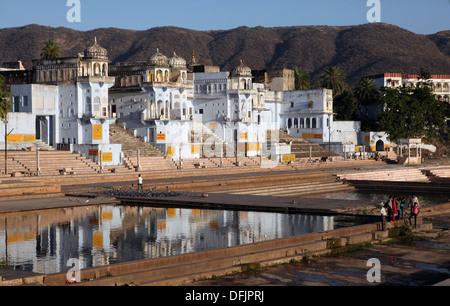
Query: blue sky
x=418, y=16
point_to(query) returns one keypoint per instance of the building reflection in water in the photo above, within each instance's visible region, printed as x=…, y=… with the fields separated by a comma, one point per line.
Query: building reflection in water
x=44, y=241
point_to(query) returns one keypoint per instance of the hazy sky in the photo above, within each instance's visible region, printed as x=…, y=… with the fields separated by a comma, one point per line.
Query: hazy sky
x=419, y=16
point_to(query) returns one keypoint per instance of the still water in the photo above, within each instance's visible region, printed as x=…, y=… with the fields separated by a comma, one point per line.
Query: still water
x=44, y=241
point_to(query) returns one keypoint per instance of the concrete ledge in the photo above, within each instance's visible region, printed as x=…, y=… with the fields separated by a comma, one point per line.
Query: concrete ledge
x=359, y=238
x=444, y=283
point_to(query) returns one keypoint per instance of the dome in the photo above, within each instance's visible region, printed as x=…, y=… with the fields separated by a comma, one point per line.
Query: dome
x=96, y=51
x=177, y=62
x=242, y=70
x=159, y=59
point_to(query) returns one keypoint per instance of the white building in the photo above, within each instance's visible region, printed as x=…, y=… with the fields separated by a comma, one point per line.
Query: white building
x=185, y=110
x=441, y=83
x=67, y=105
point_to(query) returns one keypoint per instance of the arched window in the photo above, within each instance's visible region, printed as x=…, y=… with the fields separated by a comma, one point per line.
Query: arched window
x=159, y=76
x=289, y=125
x=296, y=123
x=314, y=123
x=308, y=123
x=302, y=123
x=88, y=106
x=161, y=108
x=96, y=69
x=151, y=76
x=166, y=76
x=242, y=84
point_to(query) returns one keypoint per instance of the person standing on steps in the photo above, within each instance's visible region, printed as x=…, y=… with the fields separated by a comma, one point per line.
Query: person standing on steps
x=140, y=183
x=383, y=217
x=414, y=213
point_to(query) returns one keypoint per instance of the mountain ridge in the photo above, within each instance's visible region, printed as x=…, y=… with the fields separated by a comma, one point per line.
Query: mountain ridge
x=360, y=50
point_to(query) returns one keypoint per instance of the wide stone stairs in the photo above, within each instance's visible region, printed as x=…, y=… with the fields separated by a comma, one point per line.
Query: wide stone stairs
x=130, y=143
x=301, y=147
x=150, y=158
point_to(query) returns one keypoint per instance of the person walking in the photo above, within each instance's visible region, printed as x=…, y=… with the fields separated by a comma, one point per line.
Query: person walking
x=413, y=199
x=388, y=206
x=414, y=213
x=140, y=183
x=402, y=208
x=394, y=208
x=383, y=217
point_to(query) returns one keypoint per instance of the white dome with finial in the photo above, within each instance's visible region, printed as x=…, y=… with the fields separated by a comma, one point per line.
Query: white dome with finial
x=177, y=62
x=242, y=70
x=159, y=59
x=96, y=51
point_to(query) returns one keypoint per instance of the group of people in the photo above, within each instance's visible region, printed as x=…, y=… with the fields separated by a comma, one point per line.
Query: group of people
x=394, y=209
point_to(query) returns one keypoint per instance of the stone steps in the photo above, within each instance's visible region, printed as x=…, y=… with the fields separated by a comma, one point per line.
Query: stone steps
x=294, y=190
x=51, y=162
x=131, y=144
x=401, y=175
x=301, y=148
x=21, y=191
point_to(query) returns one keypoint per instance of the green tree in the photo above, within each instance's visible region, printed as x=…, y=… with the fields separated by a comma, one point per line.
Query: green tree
x=367, y=94
x=51, y=50
x=333, y=78
x=302, y=79
x=5, y=107
x=410, y=113
x=346, y=106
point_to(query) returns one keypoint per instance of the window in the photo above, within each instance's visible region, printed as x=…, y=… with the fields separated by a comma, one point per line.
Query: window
x=200, y=111
x=25, y=101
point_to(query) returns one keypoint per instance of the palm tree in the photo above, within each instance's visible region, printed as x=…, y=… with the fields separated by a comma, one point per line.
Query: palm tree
x=367, y=94
x=302, y=79
x=51, y=50
x=333, y=78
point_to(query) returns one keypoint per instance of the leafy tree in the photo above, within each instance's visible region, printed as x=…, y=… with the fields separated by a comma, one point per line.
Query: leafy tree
x=51, y=50
x=302, y=79
x=410, y=113
x=5, y=107
x=346, y=106
x=367, y=94
x=333, y=78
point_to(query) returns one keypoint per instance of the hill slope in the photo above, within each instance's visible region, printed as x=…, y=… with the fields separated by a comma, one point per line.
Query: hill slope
x=359, y=50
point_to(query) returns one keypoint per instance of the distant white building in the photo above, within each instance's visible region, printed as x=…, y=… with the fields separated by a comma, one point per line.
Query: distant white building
x=67, y=105
x=441, y=83
x=184, y=109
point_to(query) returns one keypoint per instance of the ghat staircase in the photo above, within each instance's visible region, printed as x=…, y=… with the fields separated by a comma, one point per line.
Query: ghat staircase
x=301, y=147
x=130, y=143
x=150, y=158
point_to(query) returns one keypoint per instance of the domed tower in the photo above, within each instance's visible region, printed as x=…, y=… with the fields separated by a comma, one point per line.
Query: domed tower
x=95, y=61
x=241, y=77
x=159, y=68
x=179, y=67
x=96, y=51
